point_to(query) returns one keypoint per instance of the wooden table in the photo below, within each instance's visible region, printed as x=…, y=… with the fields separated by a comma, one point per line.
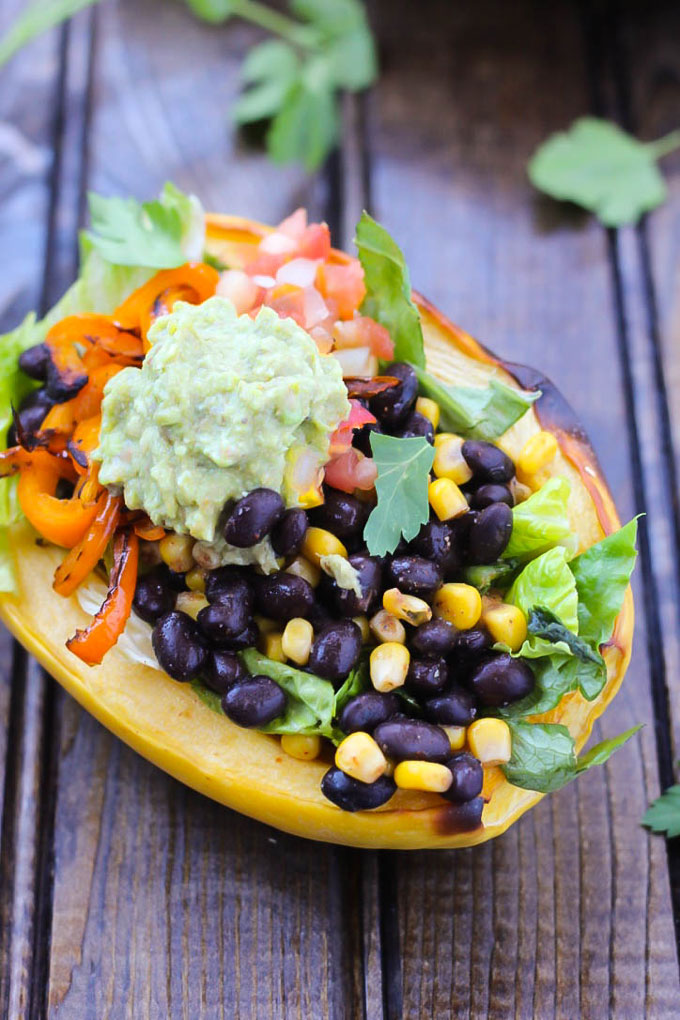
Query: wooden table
x=123, y=894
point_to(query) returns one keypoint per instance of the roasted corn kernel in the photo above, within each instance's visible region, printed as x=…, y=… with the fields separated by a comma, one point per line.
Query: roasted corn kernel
x=389, y=665
x=457, y=736
x=490, y=741
x=429, y=409
x=506, y=624
x=363, y=625
x=459, y=604
x=297, y=745
x=446, y=499
x=449, y=461
x=195, y=579
x=385, y=627
x=301, y=567
x=271, y=645
x=536, y=454
x=443, y=437
x=318, y=542
x=360, y=757
x=191, y=603
x=265, y=625
x=406, y=607
x=423, y=775
x=176, y=552
x=296, y=640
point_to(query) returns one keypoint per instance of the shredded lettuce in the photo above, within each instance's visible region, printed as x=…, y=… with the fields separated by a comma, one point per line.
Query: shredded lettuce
x=310, y=700
x=541, y=521
x=478, y=412
x=602, y=574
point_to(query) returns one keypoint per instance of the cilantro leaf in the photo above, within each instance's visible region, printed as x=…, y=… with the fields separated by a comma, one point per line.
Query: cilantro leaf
x=599, y=166
x=544, y=758
x=388, y=290
x=214, y=11
x=270, y=70
x=663, y=814
x=403, y=477
x=479, y=412
x=127, y=233
x=306, y=127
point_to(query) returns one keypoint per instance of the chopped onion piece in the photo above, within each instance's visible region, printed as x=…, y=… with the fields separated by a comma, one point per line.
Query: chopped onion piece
x=239, y=288
x=301, y=272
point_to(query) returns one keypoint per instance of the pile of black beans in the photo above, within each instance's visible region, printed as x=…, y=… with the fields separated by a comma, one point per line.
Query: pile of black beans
x=453, y=675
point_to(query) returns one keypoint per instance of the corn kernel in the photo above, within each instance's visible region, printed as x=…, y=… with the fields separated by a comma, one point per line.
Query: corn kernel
x=304, y=748
x=318, y=542
x=423, y=775
x=506, y=624
x=195, y=579
x=519, y=491
x=446, y=499
x=449, y=461
x=459, y=604
x=191, y=603
x=536, y=454
x=176, y=552
x=429, y=409
x=265, y=625
x=443, y=437
x=271, y=645
x=296, y=640
x=363, y=625
x=490, y=741
x=389, y=665
x=300, y=567
x=360, y=757
x=385, y=627
x=406, y=607
x=457, y=736
x=310, y=498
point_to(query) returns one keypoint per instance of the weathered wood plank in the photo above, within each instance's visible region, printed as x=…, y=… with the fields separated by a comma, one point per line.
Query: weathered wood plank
x=466, y=96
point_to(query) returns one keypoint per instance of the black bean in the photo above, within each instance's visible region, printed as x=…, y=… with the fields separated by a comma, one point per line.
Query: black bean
x=222, y=670
x=222, y=622
x=489, y=534
x=470, y=644
x=362, y=438
x=487, y=462
x=32, y=411
x=353, y=795
x=179, y=646
x=228, y=581
x=336, y=650
x=454, y=708
x=366, y=711
x=414, y=575
x=283, y=596
x=34, y=360
x=153, y=596
x=412, y=740
x=393, y=406
x=499, y=679
x=320, y=615
x=253, y=518
x=468, y=778
x=176, y=580
x=288, y=533
x=344, y=600
x=254, y=701
x=434, y=638
x=246, y=639
x=487, y=494
x=341, y=514
x=426, y=677
x=416, y=425
x=63, y=386
x=435, y=541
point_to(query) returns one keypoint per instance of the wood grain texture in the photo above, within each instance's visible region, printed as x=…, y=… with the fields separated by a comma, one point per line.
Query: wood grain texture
x=451, y=185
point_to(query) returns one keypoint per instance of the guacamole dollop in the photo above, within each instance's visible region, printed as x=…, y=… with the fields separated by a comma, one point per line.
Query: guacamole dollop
x=221, y=405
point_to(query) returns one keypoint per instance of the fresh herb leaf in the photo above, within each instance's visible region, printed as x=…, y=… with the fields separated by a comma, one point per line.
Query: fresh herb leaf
x=403, y=477
x=602, y=168
x=540, y=522
x=128, y=233
x=36, y=19
x=388, y=290
x=592, y=669
x=311, y=700
x=602, y=575
x=214, y=11
x=306, y=127
x=357, y=681
x=270, y=70
x=477, y=412
x=544, y=759
x=663, y=814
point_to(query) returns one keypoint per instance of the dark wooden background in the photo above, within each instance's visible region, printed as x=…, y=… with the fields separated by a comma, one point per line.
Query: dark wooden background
x=123, y=894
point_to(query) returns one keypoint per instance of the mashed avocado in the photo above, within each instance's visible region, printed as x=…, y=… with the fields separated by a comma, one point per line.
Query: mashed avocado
x=222, y=404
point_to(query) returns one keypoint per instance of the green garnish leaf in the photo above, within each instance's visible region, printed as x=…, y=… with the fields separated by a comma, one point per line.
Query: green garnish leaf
x=592, y=669
x=403, y=477
x=602, y=575
x=663, y=814
x=544, y=759
x=600, y=167
x=540, y=522
x=214, y=11
x=128, y=233
x=306, y=127
x=311, y=700
x=270, y=70
x=388, y=290
x=477, y=412
x=357, y=681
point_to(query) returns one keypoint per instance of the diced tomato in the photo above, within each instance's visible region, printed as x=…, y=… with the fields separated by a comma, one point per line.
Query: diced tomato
x=265, y=265
x=345, y=284
x=294, y=225
x=351, y=470
x=315, y=242
x=364, y=332
x=358, y=416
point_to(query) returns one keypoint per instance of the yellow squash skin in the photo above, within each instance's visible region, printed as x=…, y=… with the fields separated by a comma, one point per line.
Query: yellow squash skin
x=245, y=770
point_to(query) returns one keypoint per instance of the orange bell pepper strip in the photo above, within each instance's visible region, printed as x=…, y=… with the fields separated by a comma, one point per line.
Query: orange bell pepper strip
x=61, y=521
x=13, y=460
x=197, y=276
x=65, y=372
x=84, y=440
x=84, y=557
x=92, y=644
x=148, y=531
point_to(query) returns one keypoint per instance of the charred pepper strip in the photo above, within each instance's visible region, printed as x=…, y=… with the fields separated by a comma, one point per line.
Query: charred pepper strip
x=92, y=644
x=84, y=557
x=193, y=282
x=61, y=521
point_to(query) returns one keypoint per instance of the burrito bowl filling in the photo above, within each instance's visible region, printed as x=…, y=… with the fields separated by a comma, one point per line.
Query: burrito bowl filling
x=330, y=544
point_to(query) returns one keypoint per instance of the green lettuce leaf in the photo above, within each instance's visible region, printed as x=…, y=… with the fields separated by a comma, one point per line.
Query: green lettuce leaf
x=541, y=521
x=547, y=581
x=311, y=700
x=602, y=574
x=555, y=675
x=477, y=412
x=356, y=682
x=663, y=814
x=592, y=669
